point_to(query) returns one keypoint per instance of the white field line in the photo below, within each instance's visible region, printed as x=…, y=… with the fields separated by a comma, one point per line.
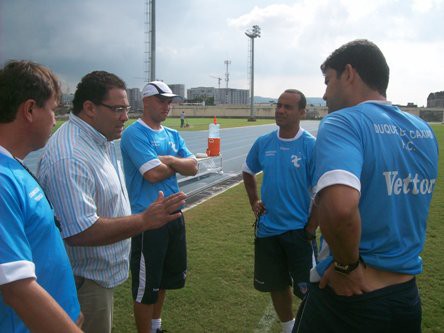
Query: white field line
x=215, y=194
x=267, y=320
x=212, y=196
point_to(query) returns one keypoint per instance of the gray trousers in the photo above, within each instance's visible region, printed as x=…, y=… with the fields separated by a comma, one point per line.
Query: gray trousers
x=96, y=304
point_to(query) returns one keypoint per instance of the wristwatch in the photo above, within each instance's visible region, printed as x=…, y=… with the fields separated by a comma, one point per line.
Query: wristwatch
x=346, y=268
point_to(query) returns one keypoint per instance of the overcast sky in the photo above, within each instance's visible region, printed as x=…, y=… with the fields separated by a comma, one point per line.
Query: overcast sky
x=195, y=37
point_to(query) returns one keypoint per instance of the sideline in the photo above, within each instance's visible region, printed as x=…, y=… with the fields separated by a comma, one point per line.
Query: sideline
x=267, y=320
x=213, y=191
x=219, y=190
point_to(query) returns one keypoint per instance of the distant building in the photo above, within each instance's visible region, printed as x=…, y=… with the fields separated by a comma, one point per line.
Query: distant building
x=199, y=93
x=135, y=99
x=67, y=100
x=231, y=96
x=219, y=95
x=178, y=89
x=436, y=100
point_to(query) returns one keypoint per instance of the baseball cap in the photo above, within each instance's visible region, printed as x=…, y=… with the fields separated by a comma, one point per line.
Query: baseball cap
x=158, y=88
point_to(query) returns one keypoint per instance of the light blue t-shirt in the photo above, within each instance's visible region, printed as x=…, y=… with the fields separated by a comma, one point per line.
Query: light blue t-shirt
x=30, y=243
x=287, y=182
x=141, y=146
x=391, y=157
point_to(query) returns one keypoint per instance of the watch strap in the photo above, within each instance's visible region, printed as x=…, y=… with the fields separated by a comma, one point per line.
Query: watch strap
x=346, y=268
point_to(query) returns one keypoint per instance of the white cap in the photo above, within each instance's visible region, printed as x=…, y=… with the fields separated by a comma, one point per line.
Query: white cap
x=158, y=88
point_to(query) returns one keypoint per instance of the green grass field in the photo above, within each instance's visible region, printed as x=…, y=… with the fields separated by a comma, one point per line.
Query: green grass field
x=219, y=295
x=198, y=124
x=431, y=281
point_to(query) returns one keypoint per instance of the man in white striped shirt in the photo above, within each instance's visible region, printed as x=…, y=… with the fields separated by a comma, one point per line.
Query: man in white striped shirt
x=84, y=180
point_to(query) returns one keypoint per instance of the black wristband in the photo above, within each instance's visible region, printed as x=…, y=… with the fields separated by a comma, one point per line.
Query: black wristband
x=346, y=268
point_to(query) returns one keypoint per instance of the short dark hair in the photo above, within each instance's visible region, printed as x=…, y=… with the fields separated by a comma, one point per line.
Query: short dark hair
x=94, y=87
x=302, y=100
x=366, y=58
x=21, y=80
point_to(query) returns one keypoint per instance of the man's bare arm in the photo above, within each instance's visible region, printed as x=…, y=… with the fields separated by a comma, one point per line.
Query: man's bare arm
x=110, y=230
x=38, y=310
x=340, y=221
x=185, y=166
x=251, y=187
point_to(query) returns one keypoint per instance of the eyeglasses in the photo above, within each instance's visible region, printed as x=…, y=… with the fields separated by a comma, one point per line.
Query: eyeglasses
x=117, y=108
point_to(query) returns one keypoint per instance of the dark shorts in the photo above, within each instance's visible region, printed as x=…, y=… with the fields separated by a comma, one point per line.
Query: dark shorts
x=158, y=261
x=394, y=309
x=281, y=261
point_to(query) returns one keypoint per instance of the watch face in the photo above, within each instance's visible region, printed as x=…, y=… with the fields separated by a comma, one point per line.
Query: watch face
x=341, y=266
x=345, y=268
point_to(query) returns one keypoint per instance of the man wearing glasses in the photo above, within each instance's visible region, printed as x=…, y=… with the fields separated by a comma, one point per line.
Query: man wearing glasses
x=83, y=179
x=152, y=156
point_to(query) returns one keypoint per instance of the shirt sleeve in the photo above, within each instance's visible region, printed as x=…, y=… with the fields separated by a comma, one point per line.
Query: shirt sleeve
x=338, y=153
x=72, y=192
x=15, y=252
x=183, y=150
x=138, y=150
x=252, y=163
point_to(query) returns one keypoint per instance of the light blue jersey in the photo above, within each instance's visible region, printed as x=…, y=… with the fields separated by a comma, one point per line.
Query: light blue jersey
x=141, y=146
x=30, y=243
x=391, y=157
x=286, y=186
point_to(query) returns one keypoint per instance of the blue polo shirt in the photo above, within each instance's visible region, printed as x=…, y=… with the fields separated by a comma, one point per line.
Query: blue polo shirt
x=141, y=146
x=287, y=183
x=30, y=243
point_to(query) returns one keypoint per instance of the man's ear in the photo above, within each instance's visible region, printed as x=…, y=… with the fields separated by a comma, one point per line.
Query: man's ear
x=26, y=109
x=349, y=73
x=89, y=108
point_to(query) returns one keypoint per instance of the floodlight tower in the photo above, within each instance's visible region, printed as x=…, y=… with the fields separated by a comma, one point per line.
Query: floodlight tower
x=150, y=40
x=227, y=74
x=227, y=78
x=253, y=33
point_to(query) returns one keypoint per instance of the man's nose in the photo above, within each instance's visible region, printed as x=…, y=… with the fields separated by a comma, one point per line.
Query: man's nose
x=124, y=116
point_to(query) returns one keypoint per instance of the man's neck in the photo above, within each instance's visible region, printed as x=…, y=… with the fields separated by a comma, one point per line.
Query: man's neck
x=152, y=124
x=12, y=141
x=288, y=133
x=365, y=94
x=82, y=115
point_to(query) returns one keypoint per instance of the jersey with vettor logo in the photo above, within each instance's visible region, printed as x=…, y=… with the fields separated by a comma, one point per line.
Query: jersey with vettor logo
x=286, y=185
x=391, y=157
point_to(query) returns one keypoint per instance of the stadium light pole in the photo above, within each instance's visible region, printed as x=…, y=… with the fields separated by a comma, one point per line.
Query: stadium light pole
x=150, y=40
x=253, y=33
